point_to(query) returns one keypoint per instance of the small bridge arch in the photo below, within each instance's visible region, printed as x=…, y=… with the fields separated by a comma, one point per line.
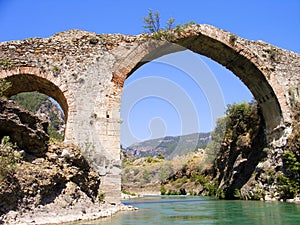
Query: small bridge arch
x=29, y=79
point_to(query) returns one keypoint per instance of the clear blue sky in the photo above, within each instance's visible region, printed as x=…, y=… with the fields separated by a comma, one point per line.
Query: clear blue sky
x=273, y=21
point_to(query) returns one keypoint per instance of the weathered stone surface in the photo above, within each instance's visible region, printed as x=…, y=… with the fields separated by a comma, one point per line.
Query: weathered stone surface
x=85, y=73
x=28, y=131
x=60, y=181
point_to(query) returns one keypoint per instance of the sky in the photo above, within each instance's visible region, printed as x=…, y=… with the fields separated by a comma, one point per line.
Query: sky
x=150, y=113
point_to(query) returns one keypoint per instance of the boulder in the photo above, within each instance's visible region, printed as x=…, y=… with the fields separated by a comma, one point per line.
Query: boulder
x=25, y=129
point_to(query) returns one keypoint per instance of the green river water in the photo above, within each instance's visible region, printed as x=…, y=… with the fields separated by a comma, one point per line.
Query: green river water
x=201, y=210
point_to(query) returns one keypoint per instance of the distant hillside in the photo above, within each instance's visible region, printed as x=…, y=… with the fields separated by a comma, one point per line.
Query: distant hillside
x=169, y=146
x=31, y=101
x=144, y=176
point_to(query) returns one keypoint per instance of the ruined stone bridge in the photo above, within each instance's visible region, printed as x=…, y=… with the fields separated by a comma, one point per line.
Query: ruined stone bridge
x=85, y=73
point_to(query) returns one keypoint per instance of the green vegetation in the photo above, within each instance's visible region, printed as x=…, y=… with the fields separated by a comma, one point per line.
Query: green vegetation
x=152, y=26
x=287, y=187
x=217, y=137
x=240, y=124
x=289, y=182
x=146, y=176
x=163, y=190
x=55, y=68
x=54, y=135
x=151, y=171
x=152, y=22
x=292, y=164
x=150, y=160
x=101, y=196
x=236, y=135
x=160, y=156
x=31, y=101
x=237, y=194
x=238, y=114
x=165, y=170
x=273, y=54
x=127, y=192
x=4, y=86
x=55, y=71
x=199, y=179
x=232, y=39
x=6, y=64
x=8, y=158
x=236, y=122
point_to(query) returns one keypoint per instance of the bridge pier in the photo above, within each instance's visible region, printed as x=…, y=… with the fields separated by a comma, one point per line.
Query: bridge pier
x=94, y=124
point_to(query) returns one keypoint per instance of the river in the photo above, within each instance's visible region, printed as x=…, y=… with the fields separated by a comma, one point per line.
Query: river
x=202, y=210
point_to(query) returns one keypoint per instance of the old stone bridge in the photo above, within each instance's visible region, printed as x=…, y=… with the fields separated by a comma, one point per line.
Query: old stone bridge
x=85, y=73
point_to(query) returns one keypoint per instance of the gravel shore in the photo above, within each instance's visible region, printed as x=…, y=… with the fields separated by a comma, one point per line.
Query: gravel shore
x=51, y=215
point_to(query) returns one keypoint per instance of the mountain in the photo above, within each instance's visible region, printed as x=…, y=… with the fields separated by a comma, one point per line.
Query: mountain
x=169, y=146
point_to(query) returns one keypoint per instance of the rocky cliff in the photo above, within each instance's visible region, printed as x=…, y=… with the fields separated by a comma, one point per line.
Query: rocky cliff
x=25, y=129
x=40, y=183
x=246, y=167
x=242, y=148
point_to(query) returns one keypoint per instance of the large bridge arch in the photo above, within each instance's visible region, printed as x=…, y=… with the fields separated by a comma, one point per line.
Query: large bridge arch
x=231, y=52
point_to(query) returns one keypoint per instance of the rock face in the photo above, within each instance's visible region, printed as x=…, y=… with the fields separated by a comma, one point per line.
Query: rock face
x=24, y=128
x=44, y=184
x=241, y=151
x=55, y=116
x=62, y=179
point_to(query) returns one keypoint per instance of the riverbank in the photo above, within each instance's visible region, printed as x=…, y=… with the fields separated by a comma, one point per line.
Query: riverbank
x=56, y=187
x=50, y=214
